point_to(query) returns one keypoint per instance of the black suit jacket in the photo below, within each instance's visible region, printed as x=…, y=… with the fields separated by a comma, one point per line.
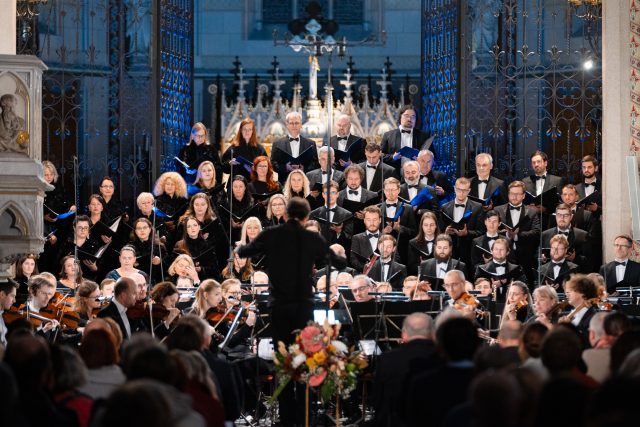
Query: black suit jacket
x=566, y=269
x=407, y=218
x=383, y=171
x=361, y=251
x=475, y=227
x=418, y=252
x=365, y=195
x=393, y=370
x=431, y=205
x=493, y=185
x=437, y=178
x=549, y=182
x=315, y=177
x=631, y=275
x=514, y=271
x=477, y=254
x=578, y=241
x=395, y=276
x=528, y=234
x=428, y=269
x=112, y=311
x=290, y=253
x=392, y=143
x=356, y=157
x=283, y=144
x=339, y=217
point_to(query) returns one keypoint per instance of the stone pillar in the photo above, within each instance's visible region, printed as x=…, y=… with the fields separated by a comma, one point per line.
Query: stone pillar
x=21, y=177
x=8, y=24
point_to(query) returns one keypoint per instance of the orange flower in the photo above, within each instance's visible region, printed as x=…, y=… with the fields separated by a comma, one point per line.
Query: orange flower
x=320, y=357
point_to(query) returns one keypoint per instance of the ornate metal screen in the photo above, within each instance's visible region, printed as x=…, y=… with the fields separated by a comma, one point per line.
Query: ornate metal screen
x=523, y=83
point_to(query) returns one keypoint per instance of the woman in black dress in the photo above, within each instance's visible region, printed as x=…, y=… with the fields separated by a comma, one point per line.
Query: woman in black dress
x=246, y=146
x=198, y=150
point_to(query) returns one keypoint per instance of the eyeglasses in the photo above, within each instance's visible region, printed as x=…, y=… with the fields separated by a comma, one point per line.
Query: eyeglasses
x=563, y=215
x=409, y=116
x=621, y=246
x=106, y=186
x=463, y=190
x=333, y=193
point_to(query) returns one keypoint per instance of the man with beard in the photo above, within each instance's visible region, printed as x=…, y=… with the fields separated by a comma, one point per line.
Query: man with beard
x=499, y=271
x=540, y=182
x=433, y=270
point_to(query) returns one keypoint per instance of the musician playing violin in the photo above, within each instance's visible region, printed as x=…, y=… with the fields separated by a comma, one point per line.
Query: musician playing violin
x=582, y=295
x=208, y=298
x=231, y=293
x=40, y=293
x=545, y=298
x=166, y=295
x=7, y=298
x=518, y=304
x=321, y=286
x=415, y=290
x=87, y=302
x=465, y=303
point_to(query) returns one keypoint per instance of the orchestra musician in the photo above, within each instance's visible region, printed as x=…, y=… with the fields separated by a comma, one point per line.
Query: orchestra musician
x=334, y=298
x=582, y=296
x=415, y=290
x=360, y=287
x=7, y=298
x=518, y=304
x=546, y=306
x=41, y=291
x=125, y=297
x=87, y=302
x=459, y=299
x=166, y=295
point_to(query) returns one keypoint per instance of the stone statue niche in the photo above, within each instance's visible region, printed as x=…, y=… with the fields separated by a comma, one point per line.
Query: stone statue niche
x=22, y=184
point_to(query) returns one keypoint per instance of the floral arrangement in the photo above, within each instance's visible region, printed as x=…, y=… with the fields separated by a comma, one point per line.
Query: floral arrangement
x=318, y=359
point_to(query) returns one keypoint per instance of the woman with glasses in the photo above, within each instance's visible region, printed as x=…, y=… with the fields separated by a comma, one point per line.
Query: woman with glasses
x=198, y=150
x=113, y=207
x=152, y=253
x=87, y=301
x=244, y=145
x=276, y=211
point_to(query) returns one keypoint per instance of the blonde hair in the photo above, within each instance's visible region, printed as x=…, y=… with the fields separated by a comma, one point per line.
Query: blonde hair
x=198, y=306
x=196, y=127
x=271, y=199
x=144, y=196
x=243, y=232
x=182, y=257
x=287, y=185
x=46, y=164
x=181, y=185
x=198, y=181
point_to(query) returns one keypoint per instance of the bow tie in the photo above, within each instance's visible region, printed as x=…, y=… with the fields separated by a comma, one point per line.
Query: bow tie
x=500, y=264
x=429, y=241
x=385, y=263
x=325, y=172
x=566, y=233
x=514, y=208
x=538, y=178
x=592, y=184
x=342, y=138
x=372, y=236
x=354, y=192
x=492, y=238
x=294, y=139
x=372, y=167
x=483, y=181
x=559, y=264
x=623, y=263
x=332, y=210
x=405, y=131
x=392, y=205
x=413, y=186
x=459, y=205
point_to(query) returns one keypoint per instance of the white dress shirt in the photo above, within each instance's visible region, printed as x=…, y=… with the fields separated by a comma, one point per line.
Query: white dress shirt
x=295, y=146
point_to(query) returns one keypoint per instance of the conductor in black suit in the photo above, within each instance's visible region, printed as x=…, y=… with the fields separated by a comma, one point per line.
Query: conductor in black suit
x=124, y=297
x=621, y=271
x=293, y=144
x=405, y=136
x=394, y=369
x=290, y=253
x=385, y=269
x=344, y=140
x=483, y=185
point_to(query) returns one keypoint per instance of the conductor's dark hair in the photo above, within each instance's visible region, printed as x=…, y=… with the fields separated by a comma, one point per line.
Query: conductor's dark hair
x=298, y=208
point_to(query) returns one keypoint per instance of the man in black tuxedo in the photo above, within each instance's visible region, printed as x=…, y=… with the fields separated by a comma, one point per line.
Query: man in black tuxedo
x=592, y=182
x=540, y=182
x=339, y=251
x=341, y=231
x=581, y=218
x=318, y=177
x=522, y=225
x=483, y=185
x=344, y=140
x=124, y=297
x=386, y=270
x=499, y=270
x=290, y=254
x=375, y=170
x=412, y=187
x=395, y=368
x=405, y=136
x=434, y=269
x=481, y=249
x=463, y=220
x=363, y=245
x=556, y=272
x=294, y=144
x=622, y=271
x=579, y=250
x=404, y=226
x=428, y=176
x=354, y=197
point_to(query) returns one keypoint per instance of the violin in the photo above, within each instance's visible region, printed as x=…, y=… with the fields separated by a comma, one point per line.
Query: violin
x=15, y=313
x=140, y=311
x=521, y=304
x=467, y=301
